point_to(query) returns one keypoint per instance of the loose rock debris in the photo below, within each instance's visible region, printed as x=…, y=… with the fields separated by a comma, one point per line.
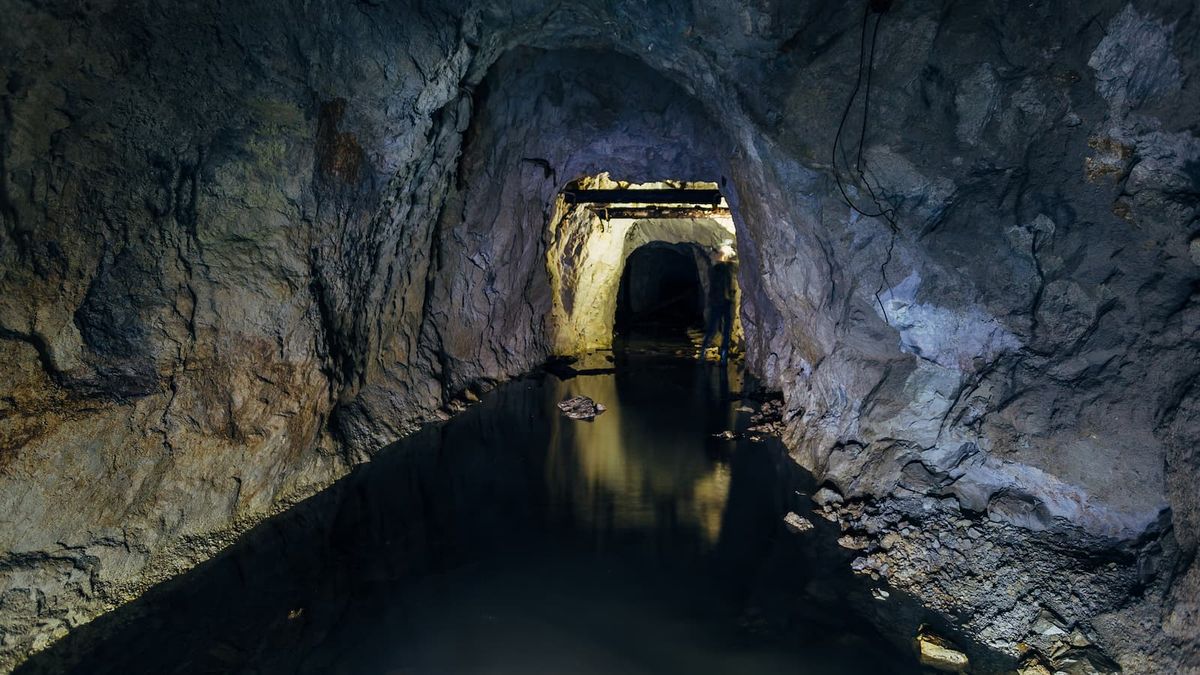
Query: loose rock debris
x=765, y=421
x=768, y=421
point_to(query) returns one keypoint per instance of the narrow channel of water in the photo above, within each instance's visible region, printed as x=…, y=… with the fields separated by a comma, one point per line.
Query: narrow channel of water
x=514, y=540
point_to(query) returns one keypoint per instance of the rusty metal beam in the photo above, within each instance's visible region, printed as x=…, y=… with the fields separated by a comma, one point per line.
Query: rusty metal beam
x=712, y=197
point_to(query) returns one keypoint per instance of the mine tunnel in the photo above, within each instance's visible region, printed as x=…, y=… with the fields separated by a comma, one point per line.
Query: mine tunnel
x=660, y=292
x=466, y=336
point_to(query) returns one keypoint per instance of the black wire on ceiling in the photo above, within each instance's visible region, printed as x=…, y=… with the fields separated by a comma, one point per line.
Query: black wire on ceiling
x=866, y=61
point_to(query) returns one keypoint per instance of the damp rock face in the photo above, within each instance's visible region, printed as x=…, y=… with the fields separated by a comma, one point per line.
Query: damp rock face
x=243, y=247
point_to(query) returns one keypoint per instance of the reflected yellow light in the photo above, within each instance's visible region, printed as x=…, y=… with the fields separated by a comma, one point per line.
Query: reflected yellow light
x=611, y=487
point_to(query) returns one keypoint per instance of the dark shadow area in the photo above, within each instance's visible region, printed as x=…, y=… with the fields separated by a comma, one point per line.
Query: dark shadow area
x=660, y=293
x=511, y=539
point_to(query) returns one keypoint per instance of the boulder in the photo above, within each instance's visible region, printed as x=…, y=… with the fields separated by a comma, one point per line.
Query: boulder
x=939, y=653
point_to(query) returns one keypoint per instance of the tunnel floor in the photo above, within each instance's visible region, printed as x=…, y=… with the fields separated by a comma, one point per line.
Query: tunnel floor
x=511, y=539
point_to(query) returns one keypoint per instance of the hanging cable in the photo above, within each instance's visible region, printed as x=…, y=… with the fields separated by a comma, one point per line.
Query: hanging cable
x=866, y=61
x=837, y=138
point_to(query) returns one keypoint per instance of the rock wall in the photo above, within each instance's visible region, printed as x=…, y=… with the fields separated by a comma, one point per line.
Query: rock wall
x=195, y=203
x=587, y=256
x=244, y=246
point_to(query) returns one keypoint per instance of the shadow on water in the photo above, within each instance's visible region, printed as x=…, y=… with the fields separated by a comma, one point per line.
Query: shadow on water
x=511, y=539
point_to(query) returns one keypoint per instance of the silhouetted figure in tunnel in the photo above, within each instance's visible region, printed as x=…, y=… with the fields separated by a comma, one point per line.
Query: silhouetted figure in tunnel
x=720, y=302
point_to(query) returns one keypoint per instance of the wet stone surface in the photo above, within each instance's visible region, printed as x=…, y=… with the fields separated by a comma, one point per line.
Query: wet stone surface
x=513, y=539
x=580, y=408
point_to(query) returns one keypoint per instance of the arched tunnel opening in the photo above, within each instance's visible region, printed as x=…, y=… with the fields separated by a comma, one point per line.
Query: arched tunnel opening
x=660, y=294
x=441, y=293
x=637, y=262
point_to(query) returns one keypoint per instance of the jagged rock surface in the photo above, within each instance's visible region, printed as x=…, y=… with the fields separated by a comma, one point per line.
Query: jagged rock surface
x=244, y=246
x=1057, y=593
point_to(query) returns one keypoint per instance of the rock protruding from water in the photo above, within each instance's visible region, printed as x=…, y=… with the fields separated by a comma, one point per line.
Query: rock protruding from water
x=768, y=420
x=796, y=523
x=938, y=652
x=580, y=408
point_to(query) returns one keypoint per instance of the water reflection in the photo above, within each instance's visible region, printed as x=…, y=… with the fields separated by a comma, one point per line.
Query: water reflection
x=512, y=540
x=641, y=466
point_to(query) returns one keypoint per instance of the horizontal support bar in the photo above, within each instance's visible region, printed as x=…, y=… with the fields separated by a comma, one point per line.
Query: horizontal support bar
x=642, y=196
x=641, y=213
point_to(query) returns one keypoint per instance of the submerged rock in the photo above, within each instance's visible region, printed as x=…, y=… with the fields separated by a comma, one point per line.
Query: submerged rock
x=938, y=652
x=580, y=408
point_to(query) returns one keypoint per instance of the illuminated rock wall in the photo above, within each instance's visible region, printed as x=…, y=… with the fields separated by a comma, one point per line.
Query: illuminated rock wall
x=587, y=258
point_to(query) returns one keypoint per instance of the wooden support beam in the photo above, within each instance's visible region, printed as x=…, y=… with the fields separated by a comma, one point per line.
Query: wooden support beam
x=669, y=196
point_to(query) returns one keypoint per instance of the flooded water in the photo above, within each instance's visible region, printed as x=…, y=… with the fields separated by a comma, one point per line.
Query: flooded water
x=514, y=540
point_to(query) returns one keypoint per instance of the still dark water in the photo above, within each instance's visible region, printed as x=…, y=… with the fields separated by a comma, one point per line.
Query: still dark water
x=514, y=540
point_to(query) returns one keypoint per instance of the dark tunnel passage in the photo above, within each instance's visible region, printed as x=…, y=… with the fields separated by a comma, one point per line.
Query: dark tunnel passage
x=660, y=293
